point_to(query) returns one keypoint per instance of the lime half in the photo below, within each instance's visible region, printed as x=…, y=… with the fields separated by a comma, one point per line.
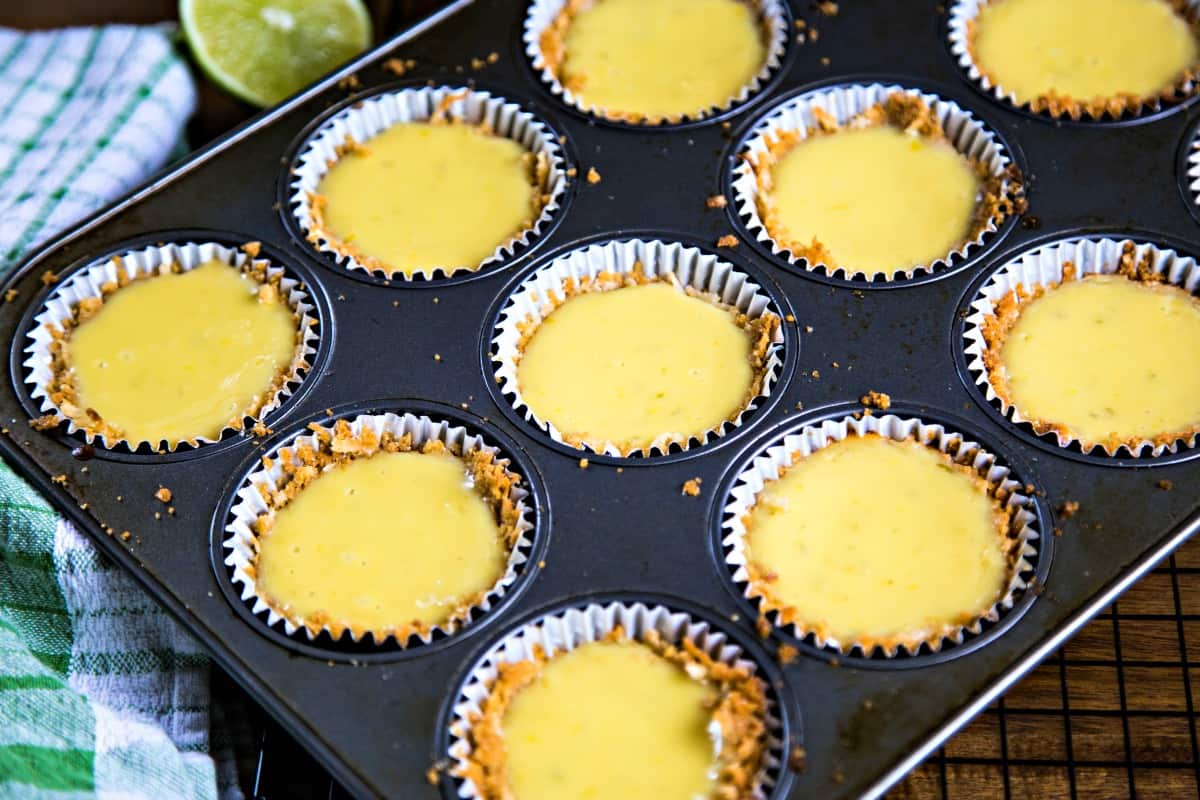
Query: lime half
x=264, y=50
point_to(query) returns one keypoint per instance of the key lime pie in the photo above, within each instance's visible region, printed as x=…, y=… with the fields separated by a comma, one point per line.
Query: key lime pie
x=1095, y=55
x=1105, y=359
x=877, y=542
x=175, y=355
x=619, y=718
x=371, y=533
x=884, y=192
x=640, y=362
x=655, y=60
x=419, y=196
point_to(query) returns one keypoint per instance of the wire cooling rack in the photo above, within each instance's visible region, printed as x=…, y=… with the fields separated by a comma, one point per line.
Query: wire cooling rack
x=1111, y=715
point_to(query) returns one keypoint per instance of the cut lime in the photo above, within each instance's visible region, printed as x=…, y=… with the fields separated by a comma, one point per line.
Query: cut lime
x=264, y=50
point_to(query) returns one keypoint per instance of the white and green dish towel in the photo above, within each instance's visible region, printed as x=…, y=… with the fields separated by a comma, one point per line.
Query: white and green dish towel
x=101, y=693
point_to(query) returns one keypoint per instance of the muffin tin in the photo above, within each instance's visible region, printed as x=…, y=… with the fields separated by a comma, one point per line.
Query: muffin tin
x=620, y=530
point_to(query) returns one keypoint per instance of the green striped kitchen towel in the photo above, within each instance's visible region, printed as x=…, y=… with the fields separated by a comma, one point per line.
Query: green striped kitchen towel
x=101, y=693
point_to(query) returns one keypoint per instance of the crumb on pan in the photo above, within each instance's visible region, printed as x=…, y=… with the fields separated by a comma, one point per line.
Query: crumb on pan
x=593, y=176
x=11, y=295
x=716, y=201
x=873, y=399
x=1165, y=484
x=728, y=240
x=399, y=66
x=163, y=495
x=691, y=487
x=1069, y=509
x=826, y=8
x=788, y=654
x=583, y=463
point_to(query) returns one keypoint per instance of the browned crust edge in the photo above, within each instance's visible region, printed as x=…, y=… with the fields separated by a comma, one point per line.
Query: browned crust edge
x=759, y=587
x=996, y=326
x=338, y=446
x=319, y=233
x=63, y=393
x=1058, y=106
x=740, y=711
x=1001, y=196
x=551, y=42
x=762, y=331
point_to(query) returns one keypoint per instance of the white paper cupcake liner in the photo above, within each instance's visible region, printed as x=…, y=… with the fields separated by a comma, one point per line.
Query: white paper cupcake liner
x=87, y=282
x=249, y=505
x=963, y=14
x=565, y=630
x=1192, y=169
x=968, y=135
x=689, y=266
x=773, y=18
x=373, y=115
x=1043, y=266
x=773, y=460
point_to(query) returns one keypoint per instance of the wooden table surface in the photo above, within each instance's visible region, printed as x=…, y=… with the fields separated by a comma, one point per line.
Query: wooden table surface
x=1112, y=715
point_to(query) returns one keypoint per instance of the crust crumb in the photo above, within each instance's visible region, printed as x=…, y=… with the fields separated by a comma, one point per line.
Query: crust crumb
x=1165, y=485
x=399, y=66
x=49, y=278
x=826, y=8
x=260, y=429
x=692, y=487
x=60, y=479
x=163, y=495
x=349, y=83
x=252, y=249
x=583, y=463
x=816, y=373
x=11, y=295
x=125, y=536
x=716, y=201
x=593, y=177
x=728, y=240
x=788, y=654
x=1069, y=509
x=798, y=759
x=44, y=422
x=873, y=399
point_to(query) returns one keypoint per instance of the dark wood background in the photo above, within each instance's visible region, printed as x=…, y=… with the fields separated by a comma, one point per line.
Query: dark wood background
x=1112, y=715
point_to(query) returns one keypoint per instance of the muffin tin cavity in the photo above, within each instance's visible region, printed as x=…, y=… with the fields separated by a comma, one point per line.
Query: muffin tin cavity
x=357, y=123
x=88, y=284
x=960, y=31
x=235, y=535
x=775, y=22
x=1029, y=549
x=1043, y=267
x=1001, y=196
x=569, y=625
x=530, y=298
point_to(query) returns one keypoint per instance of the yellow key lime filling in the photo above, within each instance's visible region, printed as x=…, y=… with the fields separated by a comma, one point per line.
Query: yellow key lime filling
x=610, y=721
x=382, y=542
x=1082, y=49
x=422, y=195
x=178, y=356
x=1108, y=357
x=878, y=199
x=633, y=364
x=871, y=538
x=661, y=58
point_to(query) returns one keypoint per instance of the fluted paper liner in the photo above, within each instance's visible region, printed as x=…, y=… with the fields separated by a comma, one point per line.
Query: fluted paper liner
x=689, y=267
x=1044, y=267
x=968, y=135
x=964, y=13
x=1192, y=168
x=565, y=630
x=240, y=541
x=773, y=21
x=87, y=283
x=373, y=115
x=770, y=464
